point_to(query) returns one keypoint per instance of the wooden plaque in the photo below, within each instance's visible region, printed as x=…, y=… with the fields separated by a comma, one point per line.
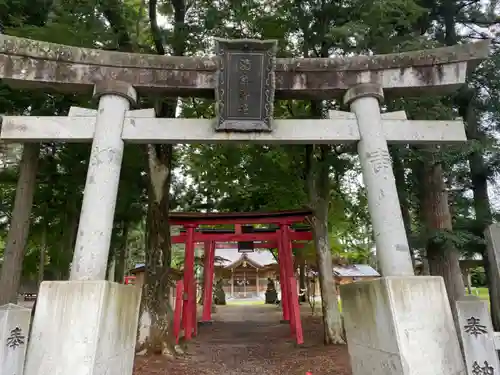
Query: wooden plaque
x=245, y=85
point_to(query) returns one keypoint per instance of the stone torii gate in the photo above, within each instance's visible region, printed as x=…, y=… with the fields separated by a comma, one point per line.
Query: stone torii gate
x=399, y=324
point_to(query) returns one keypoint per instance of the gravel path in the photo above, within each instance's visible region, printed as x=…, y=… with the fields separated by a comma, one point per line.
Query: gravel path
x=249, y=340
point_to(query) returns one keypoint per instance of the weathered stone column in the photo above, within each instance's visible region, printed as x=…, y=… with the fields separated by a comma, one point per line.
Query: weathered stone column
x=103, y=176
x=393, y=253
x=89, y=325
x=401, y=323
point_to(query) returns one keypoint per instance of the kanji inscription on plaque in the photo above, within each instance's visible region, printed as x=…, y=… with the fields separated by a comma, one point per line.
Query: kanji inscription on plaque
x=245, y=85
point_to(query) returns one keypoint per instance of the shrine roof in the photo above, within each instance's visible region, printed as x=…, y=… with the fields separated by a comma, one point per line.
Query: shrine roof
x=355, y=270
x=141, y=267
x=260, y=258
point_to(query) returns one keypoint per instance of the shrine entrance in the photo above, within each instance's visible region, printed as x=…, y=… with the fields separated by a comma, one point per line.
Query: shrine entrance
x=251, y=68
x=249, y=232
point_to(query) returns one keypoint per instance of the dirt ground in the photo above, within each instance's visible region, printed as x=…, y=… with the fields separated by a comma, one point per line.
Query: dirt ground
x=250, y=340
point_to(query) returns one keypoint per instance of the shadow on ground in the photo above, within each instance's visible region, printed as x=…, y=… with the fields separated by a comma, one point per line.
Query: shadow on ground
x=249, y=340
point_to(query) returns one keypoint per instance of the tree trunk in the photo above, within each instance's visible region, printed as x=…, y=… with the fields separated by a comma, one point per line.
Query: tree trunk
x=319, y=191
x=482, y=207
x=10, y=275
x=156, y=328
x=121, y=254
x=156, y=311
x=43, y=250
x=443, y=257
x=67, y=243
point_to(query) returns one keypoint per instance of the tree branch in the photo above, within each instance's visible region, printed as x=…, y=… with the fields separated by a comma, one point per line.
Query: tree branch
x=111, y=10
x=155, y=29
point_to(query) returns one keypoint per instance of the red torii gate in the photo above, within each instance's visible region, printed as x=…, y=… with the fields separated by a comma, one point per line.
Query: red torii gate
x=280, y=237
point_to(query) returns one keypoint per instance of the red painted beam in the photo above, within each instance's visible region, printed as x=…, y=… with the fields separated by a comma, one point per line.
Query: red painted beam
x=257, y=220
x=262, y=245
x=231, y=237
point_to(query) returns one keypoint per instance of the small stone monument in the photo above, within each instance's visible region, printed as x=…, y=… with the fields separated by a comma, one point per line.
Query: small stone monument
x=14, y=328
x=477, y=335
x=271, y=294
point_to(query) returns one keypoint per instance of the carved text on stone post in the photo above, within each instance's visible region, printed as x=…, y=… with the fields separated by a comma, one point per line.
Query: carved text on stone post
x=474, y=326
x=16, y=338
x=477, y=369
x=379, y=160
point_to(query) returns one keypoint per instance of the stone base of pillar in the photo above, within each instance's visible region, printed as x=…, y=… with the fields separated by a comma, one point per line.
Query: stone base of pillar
x=401, y=325
x=84, y=327
x=14, y=329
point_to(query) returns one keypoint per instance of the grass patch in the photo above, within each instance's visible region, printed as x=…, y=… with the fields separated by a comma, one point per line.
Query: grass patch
x=236, y=302
x=482, y=293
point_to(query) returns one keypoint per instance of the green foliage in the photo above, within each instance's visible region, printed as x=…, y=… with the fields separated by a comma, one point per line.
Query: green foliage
x=478, y=277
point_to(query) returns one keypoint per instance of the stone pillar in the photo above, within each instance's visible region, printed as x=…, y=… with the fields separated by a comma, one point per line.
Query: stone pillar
x=89, y=325
x=103, y=176
x=14, y=328
x=398, y=324
x=393, y=252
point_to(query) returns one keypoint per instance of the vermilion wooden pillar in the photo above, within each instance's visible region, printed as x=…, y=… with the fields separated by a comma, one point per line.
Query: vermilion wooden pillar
x=295, y=319
x=208, y=281
x=178, y=310
x=287, y=260
x=194, y=310
x=187, y=306
x=283, y=278
x=293, y=298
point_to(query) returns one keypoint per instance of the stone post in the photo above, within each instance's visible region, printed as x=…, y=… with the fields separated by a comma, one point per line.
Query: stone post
x=393, y=253
x=101, y=188
x=14, y=328
x=477, y=336
x=89, y=325
x=398, y=324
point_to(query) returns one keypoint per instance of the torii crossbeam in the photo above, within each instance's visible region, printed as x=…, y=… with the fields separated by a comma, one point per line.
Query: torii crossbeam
x=140, y=126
